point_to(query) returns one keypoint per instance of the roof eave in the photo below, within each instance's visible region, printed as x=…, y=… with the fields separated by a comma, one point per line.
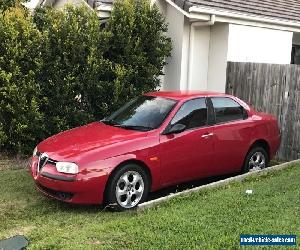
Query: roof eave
x=231, y=17
x=196, y=13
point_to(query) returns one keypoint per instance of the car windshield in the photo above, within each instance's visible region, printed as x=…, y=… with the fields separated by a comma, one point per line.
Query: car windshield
x=143, y=113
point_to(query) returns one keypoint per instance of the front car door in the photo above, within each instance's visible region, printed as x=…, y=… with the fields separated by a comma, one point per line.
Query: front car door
x=232, y=132
x=187, y=155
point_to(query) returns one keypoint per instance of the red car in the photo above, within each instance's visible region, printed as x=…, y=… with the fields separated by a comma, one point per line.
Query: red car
x=154, y=141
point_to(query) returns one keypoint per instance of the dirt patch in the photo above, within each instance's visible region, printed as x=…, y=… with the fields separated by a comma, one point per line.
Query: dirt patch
x=13, y=163
x=19, y=231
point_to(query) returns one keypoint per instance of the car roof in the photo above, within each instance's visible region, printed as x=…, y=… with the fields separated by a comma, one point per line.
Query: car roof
x=184, y=95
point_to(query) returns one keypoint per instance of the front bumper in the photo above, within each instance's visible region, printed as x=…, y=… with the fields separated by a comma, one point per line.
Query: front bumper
x=87, y=187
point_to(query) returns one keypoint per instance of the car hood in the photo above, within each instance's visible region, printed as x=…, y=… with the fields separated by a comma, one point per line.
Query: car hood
x=71, y=144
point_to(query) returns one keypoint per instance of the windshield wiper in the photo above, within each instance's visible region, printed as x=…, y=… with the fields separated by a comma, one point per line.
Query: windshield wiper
x=109, y=122
x=134, y=127
x=131, y=127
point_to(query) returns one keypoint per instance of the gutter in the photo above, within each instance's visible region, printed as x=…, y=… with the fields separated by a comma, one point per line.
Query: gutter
x=194, y=25
x=185, y=13
x=250, y=18
x=201, y=13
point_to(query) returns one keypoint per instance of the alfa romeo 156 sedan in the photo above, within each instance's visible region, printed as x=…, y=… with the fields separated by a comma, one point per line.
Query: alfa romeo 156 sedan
x=156, y=140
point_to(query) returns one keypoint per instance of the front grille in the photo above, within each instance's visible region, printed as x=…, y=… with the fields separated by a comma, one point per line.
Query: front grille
x=56, y=194
x=43, y=160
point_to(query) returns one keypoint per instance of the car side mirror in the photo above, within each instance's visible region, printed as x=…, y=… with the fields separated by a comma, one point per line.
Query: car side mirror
x=176, y=129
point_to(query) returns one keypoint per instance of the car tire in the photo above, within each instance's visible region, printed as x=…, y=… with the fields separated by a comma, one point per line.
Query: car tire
x=256, y=159
x=127, y=187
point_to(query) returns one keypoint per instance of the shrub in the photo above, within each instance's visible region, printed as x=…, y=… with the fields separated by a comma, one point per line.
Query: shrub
x=138, y=45
x=21, y=122
x=6, y=4
x=60, y=69
x=73, y=66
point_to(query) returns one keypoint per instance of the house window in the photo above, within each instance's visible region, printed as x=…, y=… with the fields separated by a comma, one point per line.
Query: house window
x=295, y=54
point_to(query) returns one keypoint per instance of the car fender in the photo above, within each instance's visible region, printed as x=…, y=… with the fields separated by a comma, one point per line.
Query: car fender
x=148, y=160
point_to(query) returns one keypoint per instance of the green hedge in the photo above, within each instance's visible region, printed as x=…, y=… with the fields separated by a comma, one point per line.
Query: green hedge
x=60, y=68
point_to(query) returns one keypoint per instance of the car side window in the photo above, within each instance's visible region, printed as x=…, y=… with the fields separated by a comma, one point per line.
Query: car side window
x=192, y=114
x=226, y=110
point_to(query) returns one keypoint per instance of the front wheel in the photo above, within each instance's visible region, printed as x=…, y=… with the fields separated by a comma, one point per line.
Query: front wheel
x=256, y=159
x=128, y=187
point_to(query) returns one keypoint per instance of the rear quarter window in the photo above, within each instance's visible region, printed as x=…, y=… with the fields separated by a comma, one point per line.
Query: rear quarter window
x=227, y=109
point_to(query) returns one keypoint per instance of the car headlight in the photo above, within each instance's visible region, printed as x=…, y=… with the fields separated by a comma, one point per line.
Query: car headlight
x=67, y=167
x=34, y=152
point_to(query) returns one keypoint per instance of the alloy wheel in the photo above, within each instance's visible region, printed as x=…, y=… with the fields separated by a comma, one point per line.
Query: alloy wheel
x=257, y=162
x=129, y=189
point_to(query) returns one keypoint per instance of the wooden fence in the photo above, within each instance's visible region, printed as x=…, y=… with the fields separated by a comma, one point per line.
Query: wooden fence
x=275, y=89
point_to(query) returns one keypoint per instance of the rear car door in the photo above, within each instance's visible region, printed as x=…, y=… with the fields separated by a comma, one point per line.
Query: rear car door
x=232, y=131
x=187, y=155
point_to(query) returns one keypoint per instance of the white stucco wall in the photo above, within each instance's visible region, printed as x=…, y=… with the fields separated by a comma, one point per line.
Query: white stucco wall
x=218, y=57
x=173, y=68
x=261, y=45
x=185, y=55
x=162, y=6
x=209, y=58
x=31, y=4
x=202, y=64
x=199, y=54
x=215, y=45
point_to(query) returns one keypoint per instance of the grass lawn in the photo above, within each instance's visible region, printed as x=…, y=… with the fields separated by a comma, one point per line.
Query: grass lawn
x=206, y=220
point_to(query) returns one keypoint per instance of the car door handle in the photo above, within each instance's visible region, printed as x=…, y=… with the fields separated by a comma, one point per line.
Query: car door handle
x=207, y=135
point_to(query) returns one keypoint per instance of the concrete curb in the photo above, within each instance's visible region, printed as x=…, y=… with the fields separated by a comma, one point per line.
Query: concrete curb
x=221, y=183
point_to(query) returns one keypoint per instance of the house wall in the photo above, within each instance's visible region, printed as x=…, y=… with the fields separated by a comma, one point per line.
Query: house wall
x=213, y=46
x=162, y=6
x=260, y=45
x=32, y=4
x=201, y=64
x=199, y=53
x=185, y=55
x=209, y=58
x=176, y=30
x=218, y=57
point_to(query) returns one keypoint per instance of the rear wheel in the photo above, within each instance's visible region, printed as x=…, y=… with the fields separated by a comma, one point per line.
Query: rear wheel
x=256, y=159
x=128, y=187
